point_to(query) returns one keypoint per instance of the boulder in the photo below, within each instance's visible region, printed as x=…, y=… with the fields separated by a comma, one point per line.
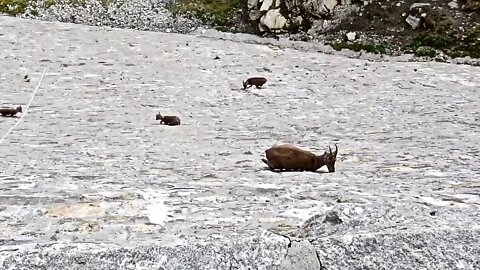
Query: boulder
x=413, y=21
x=277, y=3
x=453, y=4
x=314, y=8
x=300, y=12
x=266, y=5
x=254, y=14
x=419, y=5
x=297, y=20
x=351, y=36
x=273, y=20
x=320, y=26
x=252, y=4
x=294, y=7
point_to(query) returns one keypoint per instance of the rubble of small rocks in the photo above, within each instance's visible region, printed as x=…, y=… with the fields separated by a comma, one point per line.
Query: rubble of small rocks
x=151, y=15
x=283, y=15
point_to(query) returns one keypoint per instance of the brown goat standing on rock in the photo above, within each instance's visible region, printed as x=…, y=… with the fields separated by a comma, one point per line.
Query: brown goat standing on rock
x=291, y=158
x=169, y=120
x=11, y=112
x=257, y=81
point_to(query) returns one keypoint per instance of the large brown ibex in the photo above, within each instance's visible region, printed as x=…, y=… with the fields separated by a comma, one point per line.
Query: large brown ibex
x=9, y=111
x=257, y=81
x=291, y=158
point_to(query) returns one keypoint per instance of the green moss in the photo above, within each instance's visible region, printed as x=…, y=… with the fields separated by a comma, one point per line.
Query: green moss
x=73, y=3
x=211, y=12
x=105, y=3
x=13, y=7
x=452, y=40
x=48, y=3
x=472, y=5
x=425, y=51
x=361, y=46
x=448, y=39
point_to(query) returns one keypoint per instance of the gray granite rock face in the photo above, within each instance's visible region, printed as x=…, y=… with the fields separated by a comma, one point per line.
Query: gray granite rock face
x=424, y=249
x=238, y=252
x=394, y=235
x=90, y=176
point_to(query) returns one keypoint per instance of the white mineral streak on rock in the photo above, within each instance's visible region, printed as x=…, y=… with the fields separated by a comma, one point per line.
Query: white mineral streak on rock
x=156, y=210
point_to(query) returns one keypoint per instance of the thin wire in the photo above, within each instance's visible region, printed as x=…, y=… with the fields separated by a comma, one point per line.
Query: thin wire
x=26, y=109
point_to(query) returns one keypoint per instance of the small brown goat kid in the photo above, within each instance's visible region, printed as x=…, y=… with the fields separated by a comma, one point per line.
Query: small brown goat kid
x=11, y=112
x=169, y=120
x=291, y=158
x=257, y=81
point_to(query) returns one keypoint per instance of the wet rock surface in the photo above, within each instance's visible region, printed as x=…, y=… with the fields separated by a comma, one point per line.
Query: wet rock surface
x=89, y=162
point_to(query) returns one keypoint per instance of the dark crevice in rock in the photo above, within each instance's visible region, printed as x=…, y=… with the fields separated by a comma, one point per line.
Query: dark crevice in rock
x=319, y=261
x=295, y=254
x=289, y=245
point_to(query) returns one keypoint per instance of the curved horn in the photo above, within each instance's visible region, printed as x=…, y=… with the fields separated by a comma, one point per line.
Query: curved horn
x=336, y=149
x=330, y=149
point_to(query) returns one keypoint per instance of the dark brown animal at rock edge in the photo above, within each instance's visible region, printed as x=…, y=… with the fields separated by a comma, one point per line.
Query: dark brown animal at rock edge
x=257, y=81
x=289, y=157
x=10, y=111
x=169, y=120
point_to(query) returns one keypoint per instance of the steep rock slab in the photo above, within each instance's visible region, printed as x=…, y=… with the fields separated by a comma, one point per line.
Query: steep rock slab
x=429, y=249
x=259, y=251
x=90, y=164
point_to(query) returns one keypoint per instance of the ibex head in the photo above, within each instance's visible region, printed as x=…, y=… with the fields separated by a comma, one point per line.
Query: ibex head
x=19, y=109
x=158, y=116
x=330, y=158
x=244, y=84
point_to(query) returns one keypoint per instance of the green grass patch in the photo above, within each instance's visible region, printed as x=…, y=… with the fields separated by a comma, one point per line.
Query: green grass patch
x=357, y=46
x=473, y=5
x=211, y=12
x=450, y=40
x=13, y=7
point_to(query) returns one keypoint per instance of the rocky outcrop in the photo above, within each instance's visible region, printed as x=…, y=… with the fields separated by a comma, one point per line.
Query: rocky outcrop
x=417, y=16
x=426, y=28
x=283, y=15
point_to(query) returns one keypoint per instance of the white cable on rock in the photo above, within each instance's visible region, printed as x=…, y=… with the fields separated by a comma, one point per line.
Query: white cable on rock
x=26, y=109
